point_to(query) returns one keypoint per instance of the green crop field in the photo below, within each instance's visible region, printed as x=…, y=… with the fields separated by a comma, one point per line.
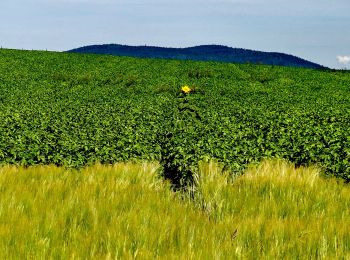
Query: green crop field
x=87, y=143
x=73, y=110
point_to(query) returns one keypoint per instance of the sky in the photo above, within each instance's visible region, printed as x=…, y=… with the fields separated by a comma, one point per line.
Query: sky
x=316, y=30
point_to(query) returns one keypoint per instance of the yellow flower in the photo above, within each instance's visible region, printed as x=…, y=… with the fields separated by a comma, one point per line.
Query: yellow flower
x=186, y=89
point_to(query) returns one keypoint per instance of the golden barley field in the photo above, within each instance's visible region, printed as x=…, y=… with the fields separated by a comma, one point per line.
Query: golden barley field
x=126, y=211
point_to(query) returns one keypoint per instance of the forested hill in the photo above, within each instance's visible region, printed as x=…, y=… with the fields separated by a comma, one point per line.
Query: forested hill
x=201, y=53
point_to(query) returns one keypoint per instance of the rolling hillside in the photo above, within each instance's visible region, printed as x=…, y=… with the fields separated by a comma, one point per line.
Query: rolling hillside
x=73, y=109
x=201, y=53
x=87, y=141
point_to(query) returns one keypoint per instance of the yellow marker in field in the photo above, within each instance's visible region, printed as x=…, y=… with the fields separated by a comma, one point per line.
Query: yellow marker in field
x=186, y=89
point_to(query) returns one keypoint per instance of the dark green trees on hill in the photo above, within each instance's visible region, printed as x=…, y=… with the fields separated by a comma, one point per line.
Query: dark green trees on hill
x=201, y=53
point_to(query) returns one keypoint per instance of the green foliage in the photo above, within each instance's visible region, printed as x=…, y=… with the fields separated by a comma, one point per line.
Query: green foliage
x=200, y=73
x=73, y=110
x=179, y=157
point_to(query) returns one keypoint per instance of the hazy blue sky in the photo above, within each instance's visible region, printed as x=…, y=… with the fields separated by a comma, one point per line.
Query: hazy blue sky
x=316, y=30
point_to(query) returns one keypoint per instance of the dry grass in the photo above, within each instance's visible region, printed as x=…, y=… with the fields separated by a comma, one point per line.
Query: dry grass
x=280, y=211
x=126, y=211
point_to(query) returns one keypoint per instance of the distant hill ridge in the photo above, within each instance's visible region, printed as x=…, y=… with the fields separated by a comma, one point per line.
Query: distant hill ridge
x=201, y=53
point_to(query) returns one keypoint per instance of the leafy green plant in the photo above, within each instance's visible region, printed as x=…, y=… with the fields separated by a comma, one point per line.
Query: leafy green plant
x=73, y=110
